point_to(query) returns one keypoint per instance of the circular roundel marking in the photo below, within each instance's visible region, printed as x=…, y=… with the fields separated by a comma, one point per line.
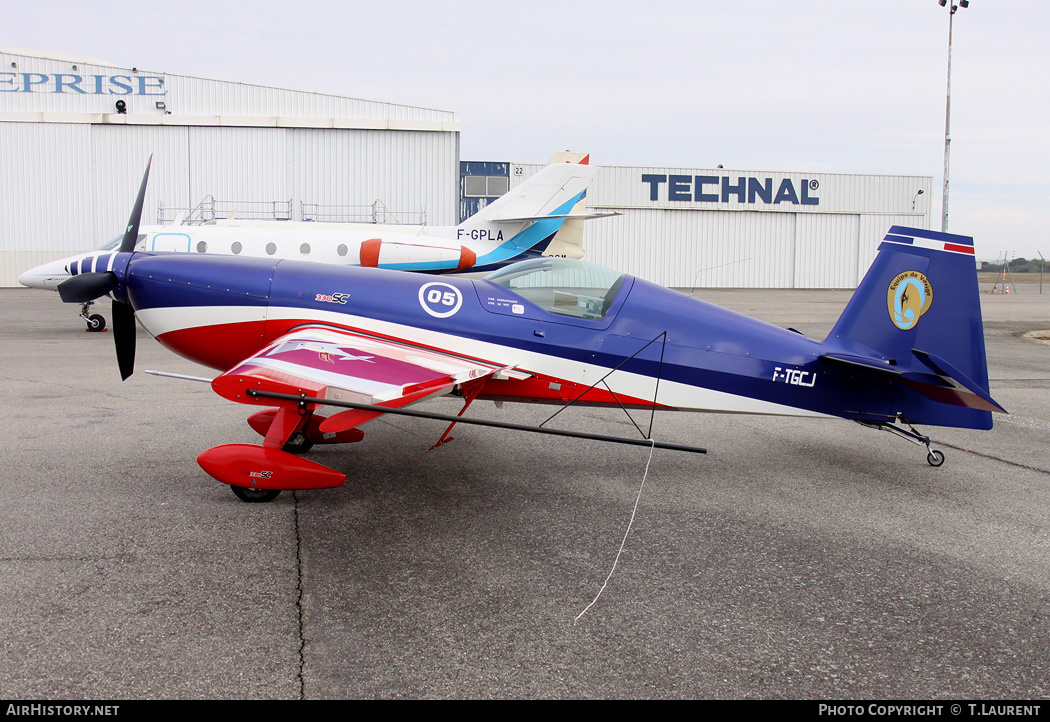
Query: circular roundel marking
x=908, y=297
x=440, y=300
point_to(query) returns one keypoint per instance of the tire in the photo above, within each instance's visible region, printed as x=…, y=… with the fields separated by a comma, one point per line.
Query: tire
x=96, y=322
x=935, y=458
x=255, y=496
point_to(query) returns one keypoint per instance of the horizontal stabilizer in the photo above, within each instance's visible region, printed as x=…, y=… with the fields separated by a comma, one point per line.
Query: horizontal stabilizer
x=871, y=364
x=566, y=216
x=958, y=379
x=947, y=384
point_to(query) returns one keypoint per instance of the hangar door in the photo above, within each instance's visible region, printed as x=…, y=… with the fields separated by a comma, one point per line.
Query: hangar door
x=826, y=250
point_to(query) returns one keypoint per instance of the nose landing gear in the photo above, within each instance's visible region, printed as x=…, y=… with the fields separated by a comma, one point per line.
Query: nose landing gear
x=95, y=322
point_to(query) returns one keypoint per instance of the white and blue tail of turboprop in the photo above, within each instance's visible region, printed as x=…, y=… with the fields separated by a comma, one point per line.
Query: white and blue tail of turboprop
x=915, y=322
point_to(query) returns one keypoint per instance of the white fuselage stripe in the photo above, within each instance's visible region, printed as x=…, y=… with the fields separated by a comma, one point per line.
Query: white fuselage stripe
x=159, y=321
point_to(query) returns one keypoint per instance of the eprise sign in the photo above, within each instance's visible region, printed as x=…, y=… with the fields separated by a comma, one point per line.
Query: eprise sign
x=716, y=189
x=82, y=84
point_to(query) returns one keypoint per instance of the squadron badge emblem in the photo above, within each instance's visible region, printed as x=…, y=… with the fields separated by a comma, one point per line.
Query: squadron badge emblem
x=909, y=297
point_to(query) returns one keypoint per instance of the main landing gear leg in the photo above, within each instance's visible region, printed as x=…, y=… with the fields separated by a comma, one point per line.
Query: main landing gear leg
x=934, y=457
x=95, y=321
x=287, y=432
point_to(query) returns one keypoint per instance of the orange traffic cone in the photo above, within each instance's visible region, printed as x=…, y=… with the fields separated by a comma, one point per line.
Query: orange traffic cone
x=1007, y=291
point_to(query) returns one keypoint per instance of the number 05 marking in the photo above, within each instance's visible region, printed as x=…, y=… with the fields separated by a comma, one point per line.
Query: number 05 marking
x=440, y=299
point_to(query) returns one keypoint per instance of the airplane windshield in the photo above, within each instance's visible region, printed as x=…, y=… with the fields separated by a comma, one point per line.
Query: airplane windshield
x=109, y=246
x=562, y=285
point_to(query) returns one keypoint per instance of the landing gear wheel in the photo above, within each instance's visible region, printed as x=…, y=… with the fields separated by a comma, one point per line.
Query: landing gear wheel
x=255, y=496
x=935, y=458
x=96, y=322
x=298, y=444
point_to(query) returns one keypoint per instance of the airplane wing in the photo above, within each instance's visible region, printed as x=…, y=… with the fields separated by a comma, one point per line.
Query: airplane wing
x=345, y=366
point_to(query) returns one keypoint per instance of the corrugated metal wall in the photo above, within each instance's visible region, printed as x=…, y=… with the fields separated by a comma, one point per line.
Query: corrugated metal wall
x=732, y=242
x=76, y=183
x=71, y=165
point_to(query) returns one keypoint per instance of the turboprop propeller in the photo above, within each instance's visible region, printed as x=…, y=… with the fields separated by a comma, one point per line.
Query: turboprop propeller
x=89, y=285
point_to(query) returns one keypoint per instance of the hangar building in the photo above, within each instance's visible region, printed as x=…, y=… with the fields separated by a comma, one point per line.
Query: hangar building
x=75, y=135
x=715, y=227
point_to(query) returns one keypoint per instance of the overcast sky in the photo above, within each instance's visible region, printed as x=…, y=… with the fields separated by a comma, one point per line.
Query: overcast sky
x=793, y=85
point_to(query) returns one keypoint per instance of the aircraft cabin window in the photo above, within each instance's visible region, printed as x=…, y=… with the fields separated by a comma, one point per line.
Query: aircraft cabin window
x=202, y=247
x=305, y=249
x=271, y=248
x=563, y=286
x=341, y=250
x=236, y=247
x=111, y=245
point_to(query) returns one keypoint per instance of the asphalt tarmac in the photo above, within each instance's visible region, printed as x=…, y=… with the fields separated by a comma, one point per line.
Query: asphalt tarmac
x=798, y=559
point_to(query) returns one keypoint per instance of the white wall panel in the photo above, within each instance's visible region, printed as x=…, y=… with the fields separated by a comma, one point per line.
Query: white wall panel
x=45, y=203
x=406, y=171
x=683, y=249
x=118, y=160
x=238, y=164
x=826, y=249
x=752, y=245
x=70, y=187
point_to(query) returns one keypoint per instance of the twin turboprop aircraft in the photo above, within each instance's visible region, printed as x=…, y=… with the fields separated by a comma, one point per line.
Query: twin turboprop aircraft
x=294, y=338
x=520, y=224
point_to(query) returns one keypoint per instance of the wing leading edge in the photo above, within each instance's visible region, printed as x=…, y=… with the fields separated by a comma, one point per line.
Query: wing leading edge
x=345, y=366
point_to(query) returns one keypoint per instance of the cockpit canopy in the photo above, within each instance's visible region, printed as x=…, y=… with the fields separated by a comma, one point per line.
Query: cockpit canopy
x=562, y=285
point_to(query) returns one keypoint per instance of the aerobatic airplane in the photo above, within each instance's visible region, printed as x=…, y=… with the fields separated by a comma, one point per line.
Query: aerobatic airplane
x=292, y=338
x=518, y=225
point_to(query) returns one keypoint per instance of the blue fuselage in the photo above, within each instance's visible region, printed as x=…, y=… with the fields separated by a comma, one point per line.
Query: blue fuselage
x=657, y=343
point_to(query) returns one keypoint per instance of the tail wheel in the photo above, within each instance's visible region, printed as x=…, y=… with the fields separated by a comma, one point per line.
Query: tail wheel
x=935, y=458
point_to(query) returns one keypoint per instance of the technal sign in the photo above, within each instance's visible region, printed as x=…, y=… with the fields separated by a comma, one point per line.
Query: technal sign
x=82, y=84
x=719, y=189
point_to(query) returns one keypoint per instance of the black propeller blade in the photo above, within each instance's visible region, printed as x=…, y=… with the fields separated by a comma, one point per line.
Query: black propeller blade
x=131, y=235
x=86, y=287
x=123, y=313
x=124, y=337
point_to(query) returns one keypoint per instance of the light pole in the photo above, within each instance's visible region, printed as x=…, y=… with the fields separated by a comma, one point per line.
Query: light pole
x=948, y=110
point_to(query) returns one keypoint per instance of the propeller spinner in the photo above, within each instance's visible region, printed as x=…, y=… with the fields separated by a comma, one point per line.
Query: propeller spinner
x=88, y=286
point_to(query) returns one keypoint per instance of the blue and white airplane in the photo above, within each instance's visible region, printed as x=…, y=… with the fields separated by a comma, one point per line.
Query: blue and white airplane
x=294, y=338
x=523, y=223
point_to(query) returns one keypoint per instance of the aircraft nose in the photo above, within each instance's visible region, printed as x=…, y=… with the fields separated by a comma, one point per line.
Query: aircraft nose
x=48, y=275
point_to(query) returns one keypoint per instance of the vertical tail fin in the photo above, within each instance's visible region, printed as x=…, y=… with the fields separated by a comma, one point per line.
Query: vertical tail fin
x=530, y=213
x=916, y=316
